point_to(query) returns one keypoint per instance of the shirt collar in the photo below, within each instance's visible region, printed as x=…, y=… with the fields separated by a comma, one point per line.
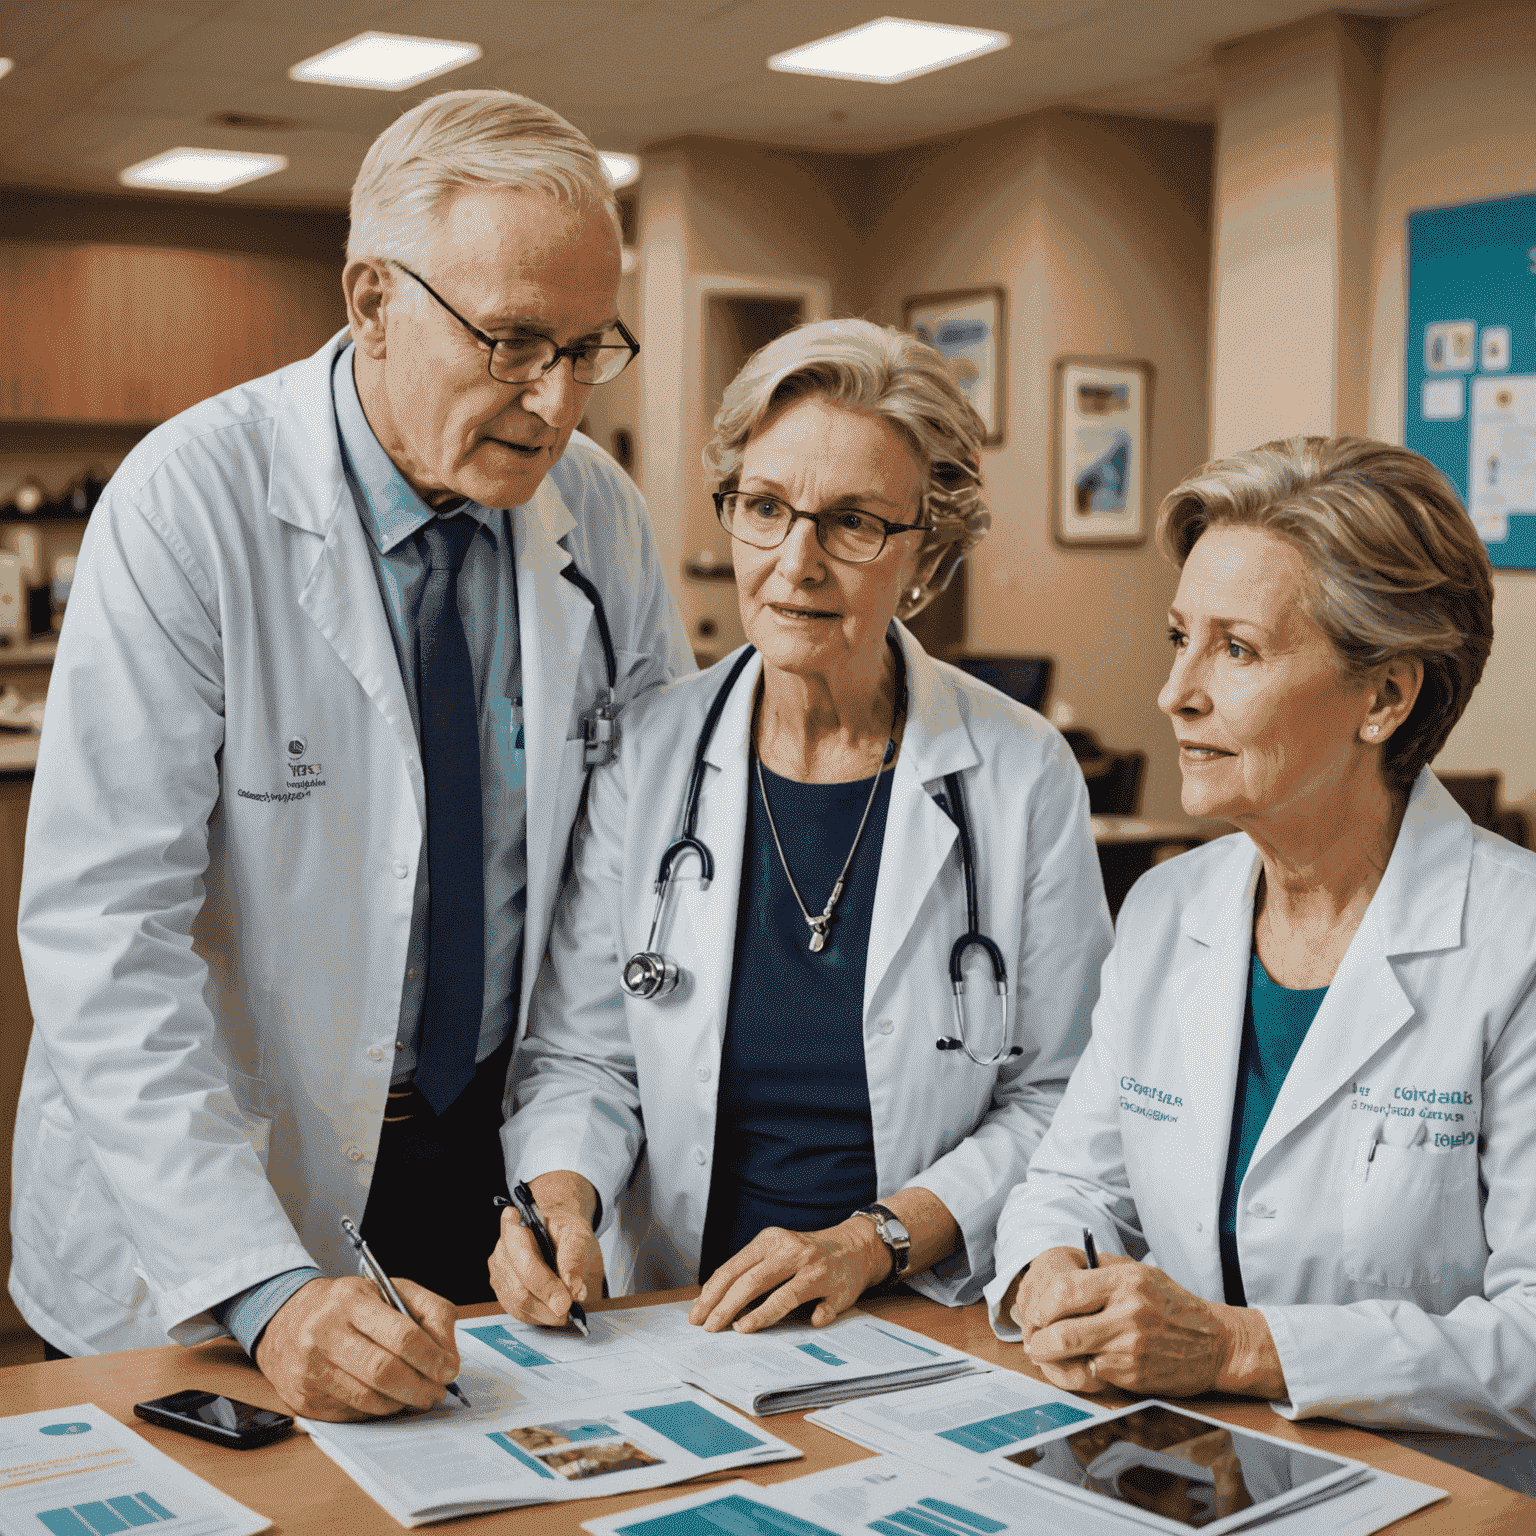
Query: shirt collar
x=390, y=510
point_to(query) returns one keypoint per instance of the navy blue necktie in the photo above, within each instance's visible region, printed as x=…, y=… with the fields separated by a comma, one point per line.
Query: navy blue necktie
x=450, y=754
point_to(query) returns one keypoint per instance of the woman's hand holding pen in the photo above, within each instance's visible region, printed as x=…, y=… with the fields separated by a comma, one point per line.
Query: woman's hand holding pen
x=523, y=1283
x=334, y=1350
x=1129, y=1325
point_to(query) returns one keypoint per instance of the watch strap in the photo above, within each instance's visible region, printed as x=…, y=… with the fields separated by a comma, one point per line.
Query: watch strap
x=888, y=1225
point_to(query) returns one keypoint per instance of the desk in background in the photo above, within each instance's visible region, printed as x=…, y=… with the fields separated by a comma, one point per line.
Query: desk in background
x=306, y=1494
x=1130, y=845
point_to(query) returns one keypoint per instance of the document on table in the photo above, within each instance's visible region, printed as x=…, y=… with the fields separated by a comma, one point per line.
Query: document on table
x=513, y=1449
x=792, y=1367
x=885, y=1495
x=79, y=1472
x=896, y=1498
x=953, y=1425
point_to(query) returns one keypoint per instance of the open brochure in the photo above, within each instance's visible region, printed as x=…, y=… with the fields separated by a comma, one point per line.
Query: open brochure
x=792, y=1366
x=954, y=1425
x=1166, y=1468
x=78, y=1472
x=505, y=1453
x=896, y=1498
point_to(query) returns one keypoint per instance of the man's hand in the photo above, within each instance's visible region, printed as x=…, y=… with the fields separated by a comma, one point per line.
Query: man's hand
x=337, y=1350
x=1129, y=1325
x=837, y=1264
x=522, y=1281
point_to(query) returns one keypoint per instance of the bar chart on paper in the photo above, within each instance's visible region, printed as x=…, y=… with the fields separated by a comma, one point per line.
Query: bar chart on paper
x=103, y=1517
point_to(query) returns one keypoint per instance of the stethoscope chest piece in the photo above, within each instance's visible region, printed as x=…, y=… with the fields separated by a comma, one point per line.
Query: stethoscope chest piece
x=649, y=976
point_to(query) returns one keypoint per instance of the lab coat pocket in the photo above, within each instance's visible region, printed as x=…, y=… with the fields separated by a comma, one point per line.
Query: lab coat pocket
x=1403, y=1211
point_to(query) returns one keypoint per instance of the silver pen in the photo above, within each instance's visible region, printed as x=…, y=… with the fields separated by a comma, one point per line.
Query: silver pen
x=375, y=1272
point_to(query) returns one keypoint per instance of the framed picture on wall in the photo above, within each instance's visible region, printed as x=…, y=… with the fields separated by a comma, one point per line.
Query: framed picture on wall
x=1101, y=417
x=967, y=327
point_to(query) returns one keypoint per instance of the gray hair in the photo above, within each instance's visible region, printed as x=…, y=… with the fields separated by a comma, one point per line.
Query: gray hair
x=890, y=374
x=467, y=138
x=1395, y=567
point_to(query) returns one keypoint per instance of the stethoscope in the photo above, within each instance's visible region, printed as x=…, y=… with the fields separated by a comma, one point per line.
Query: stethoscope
x=600, y=726
x=649, y=975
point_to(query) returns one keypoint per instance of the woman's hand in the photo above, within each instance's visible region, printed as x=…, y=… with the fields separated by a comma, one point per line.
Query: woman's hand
x=522, y=1281
x=837, y=1264
x=1129, y=1325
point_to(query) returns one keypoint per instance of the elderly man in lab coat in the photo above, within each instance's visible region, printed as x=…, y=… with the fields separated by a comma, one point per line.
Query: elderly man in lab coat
x=315, y=744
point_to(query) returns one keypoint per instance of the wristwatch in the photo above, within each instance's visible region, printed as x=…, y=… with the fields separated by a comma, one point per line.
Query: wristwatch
x=892, y=1233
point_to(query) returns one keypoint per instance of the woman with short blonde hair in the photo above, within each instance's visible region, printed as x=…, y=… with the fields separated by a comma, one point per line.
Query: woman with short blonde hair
x=762, y=1083
x=1310, y=1084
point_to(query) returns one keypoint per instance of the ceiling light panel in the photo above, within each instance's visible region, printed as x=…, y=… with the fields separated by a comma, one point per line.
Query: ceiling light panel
x=621, y=170
x=201, y=170
x=889, y=50
x=384, y=61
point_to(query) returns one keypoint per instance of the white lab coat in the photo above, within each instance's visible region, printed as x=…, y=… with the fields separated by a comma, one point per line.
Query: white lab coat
x=215, y=943
x=1386, y=1225
x=603, y=1079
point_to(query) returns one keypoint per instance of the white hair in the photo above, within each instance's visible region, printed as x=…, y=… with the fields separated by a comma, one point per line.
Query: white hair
x=467, y=138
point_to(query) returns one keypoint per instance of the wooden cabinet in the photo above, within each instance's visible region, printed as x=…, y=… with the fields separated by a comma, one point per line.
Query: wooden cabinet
x=15, y=1015
x=120, y=333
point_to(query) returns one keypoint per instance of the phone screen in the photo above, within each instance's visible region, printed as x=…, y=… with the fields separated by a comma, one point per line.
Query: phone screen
x=226, y=1413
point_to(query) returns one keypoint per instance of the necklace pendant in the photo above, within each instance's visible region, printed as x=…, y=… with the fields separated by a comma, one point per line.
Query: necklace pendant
x=818, y=936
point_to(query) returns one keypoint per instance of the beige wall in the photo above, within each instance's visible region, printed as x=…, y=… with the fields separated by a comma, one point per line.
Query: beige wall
x=1099, y=229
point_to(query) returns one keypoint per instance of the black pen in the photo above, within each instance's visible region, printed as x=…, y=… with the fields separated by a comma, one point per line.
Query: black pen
x=375, y=1272
x=526, y=1204
x=1090, y=1250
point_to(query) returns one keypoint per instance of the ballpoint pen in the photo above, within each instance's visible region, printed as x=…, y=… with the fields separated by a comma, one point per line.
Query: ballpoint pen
x=375, y=1272
x=534, y=1221
x=1090, y=1250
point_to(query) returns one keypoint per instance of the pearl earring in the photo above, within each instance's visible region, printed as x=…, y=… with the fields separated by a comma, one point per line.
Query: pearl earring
x=917, y=592
x=1371, y=730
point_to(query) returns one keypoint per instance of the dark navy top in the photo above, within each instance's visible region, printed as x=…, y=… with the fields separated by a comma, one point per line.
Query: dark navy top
x=1275, y=1022
x=794, y=1144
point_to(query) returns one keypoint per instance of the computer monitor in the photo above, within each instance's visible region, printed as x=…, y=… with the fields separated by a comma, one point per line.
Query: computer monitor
x=1025, y=678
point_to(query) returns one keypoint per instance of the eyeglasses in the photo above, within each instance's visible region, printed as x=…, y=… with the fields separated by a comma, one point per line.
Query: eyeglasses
x=522, y=359
x=847, y=534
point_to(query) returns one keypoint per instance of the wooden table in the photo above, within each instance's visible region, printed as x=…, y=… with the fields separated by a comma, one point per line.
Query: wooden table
x=303, y=1491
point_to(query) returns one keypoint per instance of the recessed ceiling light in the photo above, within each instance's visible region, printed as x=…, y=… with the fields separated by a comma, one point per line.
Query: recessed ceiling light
x=889, y=50
x=201, y=170
x=621, y=170
x=384, y=61
x=6, y=66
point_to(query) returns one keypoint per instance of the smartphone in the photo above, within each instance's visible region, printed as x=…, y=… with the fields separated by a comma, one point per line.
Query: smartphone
x=224, y=1420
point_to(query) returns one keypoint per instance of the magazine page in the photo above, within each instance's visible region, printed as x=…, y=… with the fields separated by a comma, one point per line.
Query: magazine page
x=883, y=1494
x=793, y=1365
x=956, y=1424
x=78, y=1471
x=1177, y=1471
x=433, y=1465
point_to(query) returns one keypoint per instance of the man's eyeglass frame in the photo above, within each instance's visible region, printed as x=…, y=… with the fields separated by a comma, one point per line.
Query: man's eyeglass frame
x=493, y=342
x=816, y=517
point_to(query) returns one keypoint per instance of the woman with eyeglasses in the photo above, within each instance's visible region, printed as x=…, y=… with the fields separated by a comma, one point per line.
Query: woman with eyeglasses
x=766, y=1081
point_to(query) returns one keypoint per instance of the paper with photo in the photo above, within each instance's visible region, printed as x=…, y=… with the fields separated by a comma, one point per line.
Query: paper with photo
x=957, y=1423
x=792, y=1366
x=457, y=1461
x=78, y=1471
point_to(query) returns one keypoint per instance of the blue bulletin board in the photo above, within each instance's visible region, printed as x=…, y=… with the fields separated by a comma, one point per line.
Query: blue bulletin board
x=1471, y=363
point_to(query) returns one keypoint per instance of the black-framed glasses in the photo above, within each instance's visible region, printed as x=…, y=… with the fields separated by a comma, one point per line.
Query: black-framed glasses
x=522, y=359
x=846, y=534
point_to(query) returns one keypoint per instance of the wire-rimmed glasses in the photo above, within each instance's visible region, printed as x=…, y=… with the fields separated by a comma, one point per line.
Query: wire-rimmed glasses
x=847, y=533
x=522, y=359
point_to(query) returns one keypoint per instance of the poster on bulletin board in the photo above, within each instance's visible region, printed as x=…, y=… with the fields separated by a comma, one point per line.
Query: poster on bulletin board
x=1471, y=363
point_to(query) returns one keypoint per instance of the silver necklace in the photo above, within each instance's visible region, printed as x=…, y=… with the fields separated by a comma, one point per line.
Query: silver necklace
x=819, y=925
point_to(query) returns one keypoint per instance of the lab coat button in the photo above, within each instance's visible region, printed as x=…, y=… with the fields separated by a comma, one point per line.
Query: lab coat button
x=375, y=1054
x=1199, y=1226
x=1258, y=1208
x=700, y=1156
x=353, y=1155
x=885, y=1026
x=402, y=869
x=703, y=1074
